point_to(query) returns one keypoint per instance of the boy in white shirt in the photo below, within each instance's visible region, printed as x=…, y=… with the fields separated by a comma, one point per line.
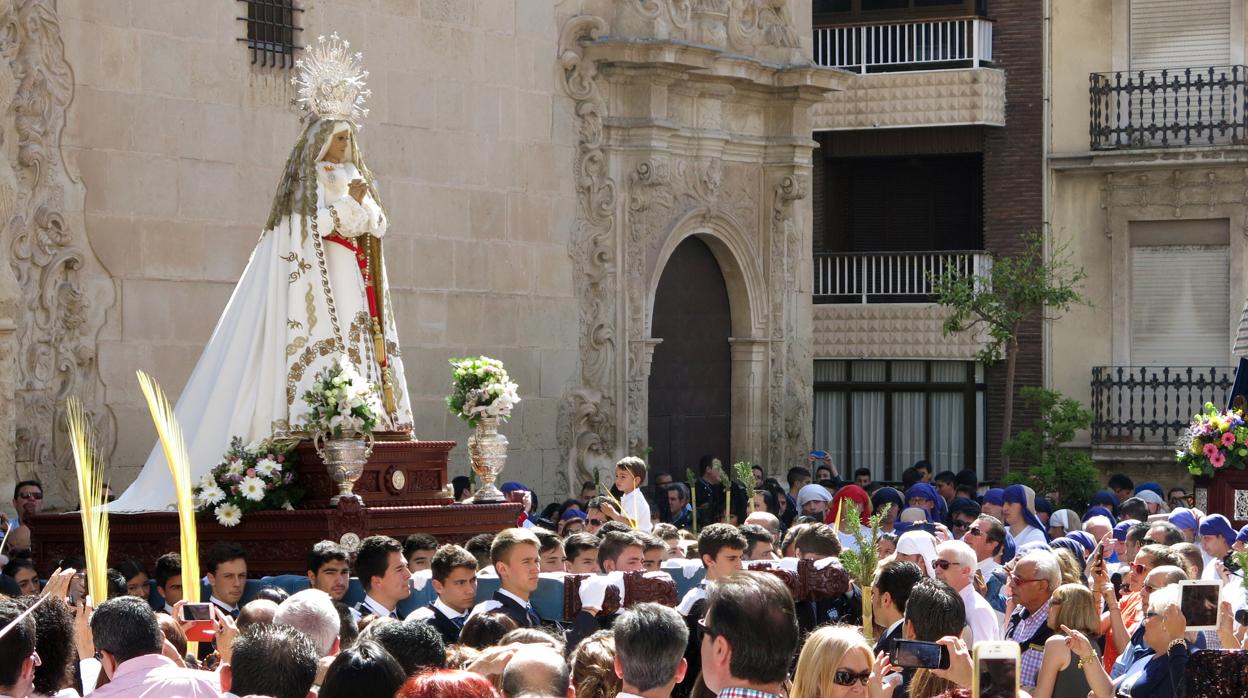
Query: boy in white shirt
x=630, y=472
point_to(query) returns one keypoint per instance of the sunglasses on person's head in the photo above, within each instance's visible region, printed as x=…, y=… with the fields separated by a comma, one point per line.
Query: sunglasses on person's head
x=843, y=677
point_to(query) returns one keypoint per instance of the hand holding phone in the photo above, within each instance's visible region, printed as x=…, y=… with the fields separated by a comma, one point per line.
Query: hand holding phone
x=917, y=654
x=996, y=670
x=196, y=619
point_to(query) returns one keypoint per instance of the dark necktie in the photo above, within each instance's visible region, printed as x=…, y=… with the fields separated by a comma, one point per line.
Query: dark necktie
x=234, y=614
x=534, y=619
x=459, y=621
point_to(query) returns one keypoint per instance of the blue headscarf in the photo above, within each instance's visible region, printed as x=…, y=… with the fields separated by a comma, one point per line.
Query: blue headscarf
x=1106, y=499
x=1043, y=505
x=995, y=496
x=1100, y=511
x=888, y=495
x=922, y=490
x=1121, y=528
x=1073, y=546
x=1152, y=486
x=1217, y=525
x=1085, y=539
x=1009, y=547
x=1024, y=495
x=1182, y=517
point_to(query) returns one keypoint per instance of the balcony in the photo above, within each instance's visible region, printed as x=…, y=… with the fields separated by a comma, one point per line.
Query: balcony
x=917, y=45
x=1168, y=108
x=891, y=277
x=930, y=72
x=1151, y=406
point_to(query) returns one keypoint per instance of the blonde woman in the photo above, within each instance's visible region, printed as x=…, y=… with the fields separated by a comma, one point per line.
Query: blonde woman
x=836, y=661
x=1074, y=607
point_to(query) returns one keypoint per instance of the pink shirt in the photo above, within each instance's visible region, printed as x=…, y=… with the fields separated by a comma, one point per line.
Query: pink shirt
x=156, y=676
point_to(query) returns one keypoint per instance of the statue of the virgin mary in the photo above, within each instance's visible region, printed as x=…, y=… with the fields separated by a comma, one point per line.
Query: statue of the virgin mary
x=313, y=291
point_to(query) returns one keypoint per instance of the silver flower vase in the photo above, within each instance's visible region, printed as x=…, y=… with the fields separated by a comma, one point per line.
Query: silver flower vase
x=344, y=461
x=487, y=450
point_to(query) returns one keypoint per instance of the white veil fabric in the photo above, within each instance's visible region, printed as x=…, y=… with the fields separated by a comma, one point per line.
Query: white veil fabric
x=299, y=306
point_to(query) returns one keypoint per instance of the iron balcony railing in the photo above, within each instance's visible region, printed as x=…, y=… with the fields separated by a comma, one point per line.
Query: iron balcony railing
x=1152, y=404
x=919, y=45
x=1162, y=108
x=891, y=277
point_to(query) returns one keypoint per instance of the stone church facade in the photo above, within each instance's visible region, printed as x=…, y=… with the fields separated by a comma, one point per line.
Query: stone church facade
x=541, y=163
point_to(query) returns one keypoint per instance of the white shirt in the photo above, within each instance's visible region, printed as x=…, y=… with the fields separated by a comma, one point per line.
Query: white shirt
x=1030, y=534
x=425, y=613
x=638, y=509
x=376, y=608
x=987, y=566
x=847, y=539
x=219, y=603
x=980, y=616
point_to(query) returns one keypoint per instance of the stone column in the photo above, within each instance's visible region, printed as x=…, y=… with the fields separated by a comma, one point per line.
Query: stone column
x=749, y=398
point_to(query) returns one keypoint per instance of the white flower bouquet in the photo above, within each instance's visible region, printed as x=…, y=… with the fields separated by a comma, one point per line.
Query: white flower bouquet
x=255, y=477
x=342, y=404
x=480, y=387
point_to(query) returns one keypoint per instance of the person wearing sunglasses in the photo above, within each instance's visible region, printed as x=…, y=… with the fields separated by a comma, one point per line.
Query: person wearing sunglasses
x=955, y=565
x=1158, y=578
x=1158, y=675
x=1131, y=605
x=1032, y=584
x=27, y=502
x=835, y=661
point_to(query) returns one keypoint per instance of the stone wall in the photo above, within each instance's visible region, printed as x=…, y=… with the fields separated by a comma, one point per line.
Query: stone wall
x=178, y=140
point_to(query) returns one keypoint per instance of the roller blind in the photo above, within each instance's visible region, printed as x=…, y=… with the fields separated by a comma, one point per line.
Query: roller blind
x=1174, y=34
x=1180, y=305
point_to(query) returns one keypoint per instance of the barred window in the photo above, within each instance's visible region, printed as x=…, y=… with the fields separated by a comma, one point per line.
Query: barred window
x=271, y=32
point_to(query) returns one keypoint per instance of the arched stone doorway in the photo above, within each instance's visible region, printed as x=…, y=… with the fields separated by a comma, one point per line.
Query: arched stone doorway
x=690, y=385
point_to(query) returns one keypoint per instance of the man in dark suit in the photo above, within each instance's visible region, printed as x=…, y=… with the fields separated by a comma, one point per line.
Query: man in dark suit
x=454, y=578
x=517, y=561
x=888, y=599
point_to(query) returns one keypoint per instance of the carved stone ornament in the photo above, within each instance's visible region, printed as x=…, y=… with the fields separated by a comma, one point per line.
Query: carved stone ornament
x=695, y=155
x=64, y=290
x=587, y=416
x=736, y=24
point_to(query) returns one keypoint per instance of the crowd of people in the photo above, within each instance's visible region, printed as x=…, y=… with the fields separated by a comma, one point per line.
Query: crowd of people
x=1091, y=599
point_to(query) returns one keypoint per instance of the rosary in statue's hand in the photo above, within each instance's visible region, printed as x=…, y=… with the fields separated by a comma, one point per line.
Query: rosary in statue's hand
x=358, y=188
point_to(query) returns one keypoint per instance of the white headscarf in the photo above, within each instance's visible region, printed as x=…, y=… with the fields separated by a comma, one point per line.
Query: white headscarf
x=339, y=127
x=919, y=543
x=1066, y=520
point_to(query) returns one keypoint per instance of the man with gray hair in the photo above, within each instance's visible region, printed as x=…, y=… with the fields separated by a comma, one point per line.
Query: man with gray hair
x=312, y=613
x=1031, y=586
x=955, y=565
x=537, y=671
x=649, y=642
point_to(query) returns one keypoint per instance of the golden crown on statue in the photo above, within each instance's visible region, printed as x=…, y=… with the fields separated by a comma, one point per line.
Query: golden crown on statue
x=332, y=81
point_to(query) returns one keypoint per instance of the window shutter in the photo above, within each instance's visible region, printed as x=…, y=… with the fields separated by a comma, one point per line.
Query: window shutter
x=1187, y=34
x=1180, y=307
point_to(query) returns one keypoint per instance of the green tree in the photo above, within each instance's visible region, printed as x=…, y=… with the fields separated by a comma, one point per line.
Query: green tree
x=1018, y=289
x=1066, y=475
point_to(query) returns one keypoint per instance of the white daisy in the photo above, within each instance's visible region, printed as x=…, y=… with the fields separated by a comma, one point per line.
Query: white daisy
x=266, y=467
x=252, y=488
x=229, y=514
x=210, y=495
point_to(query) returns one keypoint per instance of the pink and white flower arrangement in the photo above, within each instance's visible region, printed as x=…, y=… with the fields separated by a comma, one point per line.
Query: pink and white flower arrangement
x=1214, y=441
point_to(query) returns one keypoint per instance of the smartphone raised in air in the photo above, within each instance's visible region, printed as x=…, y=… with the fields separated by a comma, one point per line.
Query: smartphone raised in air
x=916, y=654
x=996, y=670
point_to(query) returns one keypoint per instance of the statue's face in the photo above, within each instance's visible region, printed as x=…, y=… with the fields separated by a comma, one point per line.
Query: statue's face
x=338, y=146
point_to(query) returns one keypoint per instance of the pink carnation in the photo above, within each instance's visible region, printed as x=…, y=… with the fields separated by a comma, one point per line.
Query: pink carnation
x=1210, y=449
x=1228, y=439
x=251, y=472
x=1217, y=460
